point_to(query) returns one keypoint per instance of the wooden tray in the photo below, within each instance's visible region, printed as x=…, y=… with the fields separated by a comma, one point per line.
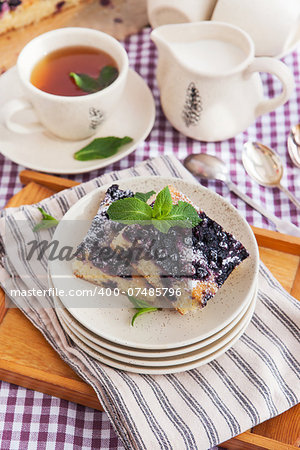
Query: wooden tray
x=28, y=360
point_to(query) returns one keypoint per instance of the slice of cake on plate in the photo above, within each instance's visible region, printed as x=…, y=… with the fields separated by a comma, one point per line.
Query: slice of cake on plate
x=198, y=261
x=188, y=261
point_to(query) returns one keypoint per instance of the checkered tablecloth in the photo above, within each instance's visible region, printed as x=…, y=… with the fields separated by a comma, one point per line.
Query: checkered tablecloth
x=30, y=420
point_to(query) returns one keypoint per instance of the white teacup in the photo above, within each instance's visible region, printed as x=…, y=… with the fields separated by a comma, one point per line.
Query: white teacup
x=209, y=81
x=272, y=24
x=72, y=118
x=162, y=12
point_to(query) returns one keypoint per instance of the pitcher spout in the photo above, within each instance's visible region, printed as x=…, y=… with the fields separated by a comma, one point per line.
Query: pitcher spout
x=163, y=37
x=164, y=53
x=172, y=41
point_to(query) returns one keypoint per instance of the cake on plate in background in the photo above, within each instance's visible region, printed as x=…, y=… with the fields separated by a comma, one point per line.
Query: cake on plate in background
x=23, y=20
x=19, y=13
x=15, y=14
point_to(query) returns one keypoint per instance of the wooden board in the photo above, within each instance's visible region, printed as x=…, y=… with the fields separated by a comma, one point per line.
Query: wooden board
x=28, y=360
x=119, y=18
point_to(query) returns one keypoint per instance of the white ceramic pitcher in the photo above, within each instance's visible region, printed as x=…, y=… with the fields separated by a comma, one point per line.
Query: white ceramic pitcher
x=209, y=81
x=162, y=12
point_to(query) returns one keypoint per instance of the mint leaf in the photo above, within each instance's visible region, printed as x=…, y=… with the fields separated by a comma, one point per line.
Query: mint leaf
x=128, y=209
x=162, y=225
x=144, y=197
x=182, y=215
x=140, y=312
x=163, y=204
x=45, y=225
x=141, y=306
x=45, y=215
x=85, y=82
x=163, y=216
x=101, y=148
x=137, y=303
x=47, y=221
x=107, y=76
x=184, y=212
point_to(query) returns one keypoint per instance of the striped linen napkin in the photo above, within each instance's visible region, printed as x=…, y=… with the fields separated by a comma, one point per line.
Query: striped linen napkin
x=256, y=379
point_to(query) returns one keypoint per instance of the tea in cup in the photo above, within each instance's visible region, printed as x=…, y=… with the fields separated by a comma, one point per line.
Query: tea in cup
x=72, y=78
x=209, y=81
x=162, y=12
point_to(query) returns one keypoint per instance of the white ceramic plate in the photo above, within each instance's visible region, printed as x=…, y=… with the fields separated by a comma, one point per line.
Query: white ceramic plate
x=44, y=152
x=83, y=333
x=163, y=360
x=163, y=370
x=164, y=329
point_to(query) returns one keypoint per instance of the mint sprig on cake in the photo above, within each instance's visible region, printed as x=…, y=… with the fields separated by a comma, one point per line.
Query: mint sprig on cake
x=163, y=214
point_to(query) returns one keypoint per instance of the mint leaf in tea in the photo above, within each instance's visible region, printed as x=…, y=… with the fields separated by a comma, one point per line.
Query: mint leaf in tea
x=52, y=73
x=85, y=82
x=89, y=84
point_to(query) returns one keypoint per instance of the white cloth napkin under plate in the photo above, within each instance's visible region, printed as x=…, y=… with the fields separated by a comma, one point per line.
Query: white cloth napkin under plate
x=256, y=379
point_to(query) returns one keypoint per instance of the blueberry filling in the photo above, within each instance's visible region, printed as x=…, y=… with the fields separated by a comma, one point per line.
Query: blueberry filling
x=218, y=251
x=215, y=252
x=165, y=250
x=59, y=5
x=10, y=4
x=105, y=2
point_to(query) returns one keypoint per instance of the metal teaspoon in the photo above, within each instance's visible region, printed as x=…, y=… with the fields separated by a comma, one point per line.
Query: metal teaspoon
x=265, y=167
x=294, y=145
x=212, y=168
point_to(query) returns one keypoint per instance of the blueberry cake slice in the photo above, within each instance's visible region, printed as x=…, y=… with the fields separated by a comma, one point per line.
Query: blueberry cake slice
x=95, y=261
x=198, y=261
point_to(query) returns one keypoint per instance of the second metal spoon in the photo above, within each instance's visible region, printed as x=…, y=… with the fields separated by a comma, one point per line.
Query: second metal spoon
x=265, y=167
x=212, y=168
x=294, y=144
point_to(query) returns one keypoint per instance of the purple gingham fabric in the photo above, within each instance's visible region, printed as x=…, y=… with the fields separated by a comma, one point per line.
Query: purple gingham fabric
x=272, y=129
x=31, y=420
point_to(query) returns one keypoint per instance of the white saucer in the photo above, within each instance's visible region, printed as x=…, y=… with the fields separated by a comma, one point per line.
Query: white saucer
x=164, y=329
x=162, y=360
x=44, y=152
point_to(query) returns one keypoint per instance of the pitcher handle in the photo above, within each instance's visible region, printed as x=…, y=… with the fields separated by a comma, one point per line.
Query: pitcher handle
x=281, y=71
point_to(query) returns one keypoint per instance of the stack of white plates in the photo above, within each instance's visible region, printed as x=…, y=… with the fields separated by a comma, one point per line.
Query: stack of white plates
x=160, y=342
